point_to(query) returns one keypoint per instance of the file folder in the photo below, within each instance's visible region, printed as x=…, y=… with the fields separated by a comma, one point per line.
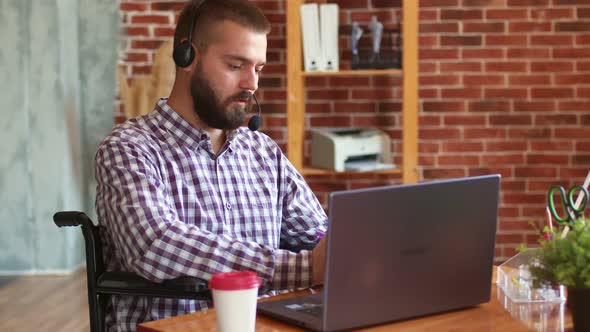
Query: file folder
x=310, y=30
x=329, y=36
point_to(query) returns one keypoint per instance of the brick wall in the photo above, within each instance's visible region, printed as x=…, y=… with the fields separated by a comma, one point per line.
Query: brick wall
x=504, y=87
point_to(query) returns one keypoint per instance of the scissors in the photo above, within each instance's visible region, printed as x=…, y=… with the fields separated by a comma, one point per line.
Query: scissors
x=568, y=203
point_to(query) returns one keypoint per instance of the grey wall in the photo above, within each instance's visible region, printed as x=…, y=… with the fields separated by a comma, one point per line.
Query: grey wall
x=57, y=74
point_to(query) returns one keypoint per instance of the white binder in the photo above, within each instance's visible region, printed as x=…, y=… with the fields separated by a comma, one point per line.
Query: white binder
x=310, y=30
x=329, y=36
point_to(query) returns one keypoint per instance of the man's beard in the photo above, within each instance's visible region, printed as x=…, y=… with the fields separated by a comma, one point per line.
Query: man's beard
x=215, y=113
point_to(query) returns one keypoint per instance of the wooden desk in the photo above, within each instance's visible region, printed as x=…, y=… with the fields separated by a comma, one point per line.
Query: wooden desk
x=500, y=314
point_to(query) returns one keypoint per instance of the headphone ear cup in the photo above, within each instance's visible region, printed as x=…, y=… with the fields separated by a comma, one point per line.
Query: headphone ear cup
x=183, y=54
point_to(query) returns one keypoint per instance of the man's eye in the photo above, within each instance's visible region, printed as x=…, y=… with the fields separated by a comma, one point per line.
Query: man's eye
x=234, y=67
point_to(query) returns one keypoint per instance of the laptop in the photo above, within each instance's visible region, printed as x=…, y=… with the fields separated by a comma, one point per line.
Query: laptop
x=398, y=252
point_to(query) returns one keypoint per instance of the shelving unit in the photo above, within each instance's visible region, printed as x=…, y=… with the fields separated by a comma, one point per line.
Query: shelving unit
x=296, y=91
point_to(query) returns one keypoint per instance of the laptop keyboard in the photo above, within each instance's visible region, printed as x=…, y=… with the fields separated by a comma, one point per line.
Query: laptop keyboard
x=316, y=310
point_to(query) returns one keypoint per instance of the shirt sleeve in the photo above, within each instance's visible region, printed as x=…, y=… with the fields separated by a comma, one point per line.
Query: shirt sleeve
x=303, y=220
x=150, y=240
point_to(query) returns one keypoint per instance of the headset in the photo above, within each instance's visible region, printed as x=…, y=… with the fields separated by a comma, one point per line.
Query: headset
x=184, y=54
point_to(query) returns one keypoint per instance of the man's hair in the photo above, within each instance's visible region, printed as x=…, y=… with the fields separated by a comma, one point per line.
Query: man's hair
x=209, y=13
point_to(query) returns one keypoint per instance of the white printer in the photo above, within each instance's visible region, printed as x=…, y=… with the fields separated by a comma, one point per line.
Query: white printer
x=350, y=149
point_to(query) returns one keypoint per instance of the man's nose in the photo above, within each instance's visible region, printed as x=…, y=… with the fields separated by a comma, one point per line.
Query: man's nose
x=249, y=79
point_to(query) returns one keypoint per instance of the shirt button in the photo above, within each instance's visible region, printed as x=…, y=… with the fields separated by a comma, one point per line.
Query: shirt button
x=228, y=206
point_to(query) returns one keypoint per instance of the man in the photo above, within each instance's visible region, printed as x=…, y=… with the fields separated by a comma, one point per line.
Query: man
x=185, y=190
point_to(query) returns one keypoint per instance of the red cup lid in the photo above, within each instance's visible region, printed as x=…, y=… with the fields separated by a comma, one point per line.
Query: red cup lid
x=235, y=280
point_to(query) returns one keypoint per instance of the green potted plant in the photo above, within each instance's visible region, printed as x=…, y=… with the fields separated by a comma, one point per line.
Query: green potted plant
x=564, y=258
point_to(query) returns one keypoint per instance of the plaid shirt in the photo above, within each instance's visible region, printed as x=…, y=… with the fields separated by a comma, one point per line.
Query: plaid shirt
x=170, y=207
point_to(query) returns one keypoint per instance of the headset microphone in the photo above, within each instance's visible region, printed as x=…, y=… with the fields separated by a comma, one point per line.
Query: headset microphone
x=256, y=120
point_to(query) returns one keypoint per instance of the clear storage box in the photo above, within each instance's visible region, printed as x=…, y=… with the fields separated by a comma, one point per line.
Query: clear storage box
x=514, y=278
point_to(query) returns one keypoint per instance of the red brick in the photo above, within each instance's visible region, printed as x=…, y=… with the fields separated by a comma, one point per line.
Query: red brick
x=136, y=57
x=462, y=93
x=506, y=66
x=385, y=3
x=429, y=147
x=484, y=133
x=372, y=94
x=528, y=53
x=150, y=19
x=427, y=67
x=462, y=146
x=355, y=107
x=529, y=27
x=430, y=121
x=506, y=14
x=439, y=3
x=146, y=44
x=583, y=39
x=330, y=121
x=529, y=133
x=428, y=15
x=163, y=32
x=461, y=14
x=552, y=145
x=483, y=80
x=458, y=160
x=494, y=27
x=552, y=13
x=315, y=81
x=317, y=107
x=573, y=79
x=583, y=146
x=443, y=106
x=582, y=92
x=482, y=53
x=275, y=121
x=439, y=28
x=495, y=40
x=437, y=134
x=461, y=40
x=489, y=106
x=583, y=65
x=510, y=238
x=439, y=54
x=551, y=40
x=388, y=80
x=555, y=120
x=511, y=120
x=536, y=172
x=502, y=159
x=373, y=121
x=141, y=70
x=583, y=12
x=330, y=94
x=552, y=66
x=483, y=3
x=386, y=106
x=552, y=92
x=523, y=3
x=574, y=106
x=492, y=146
x=511, y=93
x=464, y=66
x=576, y=53
x=428, y=93
x=168, y=6
x=572, y=26
x=428, y=41
x=529, y=80
x=547, y=159
x=351, y=4
x=130, y=7
x=138, y=31
x=425, y=80
x=465, y=120
x=578, y=133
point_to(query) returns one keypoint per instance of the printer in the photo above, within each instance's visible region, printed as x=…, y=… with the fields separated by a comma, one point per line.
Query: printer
x=350, y=149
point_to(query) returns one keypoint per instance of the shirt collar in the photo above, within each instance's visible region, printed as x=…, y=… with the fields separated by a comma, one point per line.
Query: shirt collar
x=182, y=130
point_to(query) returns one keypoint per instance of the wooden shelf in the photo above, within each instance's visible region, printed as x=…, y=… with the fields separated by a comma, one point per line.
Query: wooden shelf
x=320, y=171
x=360, y=72
x=296, y=91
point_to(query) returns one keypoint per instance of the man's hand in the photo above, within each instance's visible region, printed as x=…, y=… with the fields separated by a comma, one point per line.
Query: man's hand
x=318, y=257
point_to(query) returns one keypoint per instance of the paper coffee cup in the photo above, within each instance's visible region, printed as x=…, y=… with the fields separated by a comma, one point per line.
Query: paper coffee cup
x=234, y=298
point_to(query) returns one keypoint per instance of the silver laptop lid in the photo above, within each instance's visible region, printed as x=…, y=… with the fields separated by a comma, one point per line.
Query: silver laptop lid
x=403, y=251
